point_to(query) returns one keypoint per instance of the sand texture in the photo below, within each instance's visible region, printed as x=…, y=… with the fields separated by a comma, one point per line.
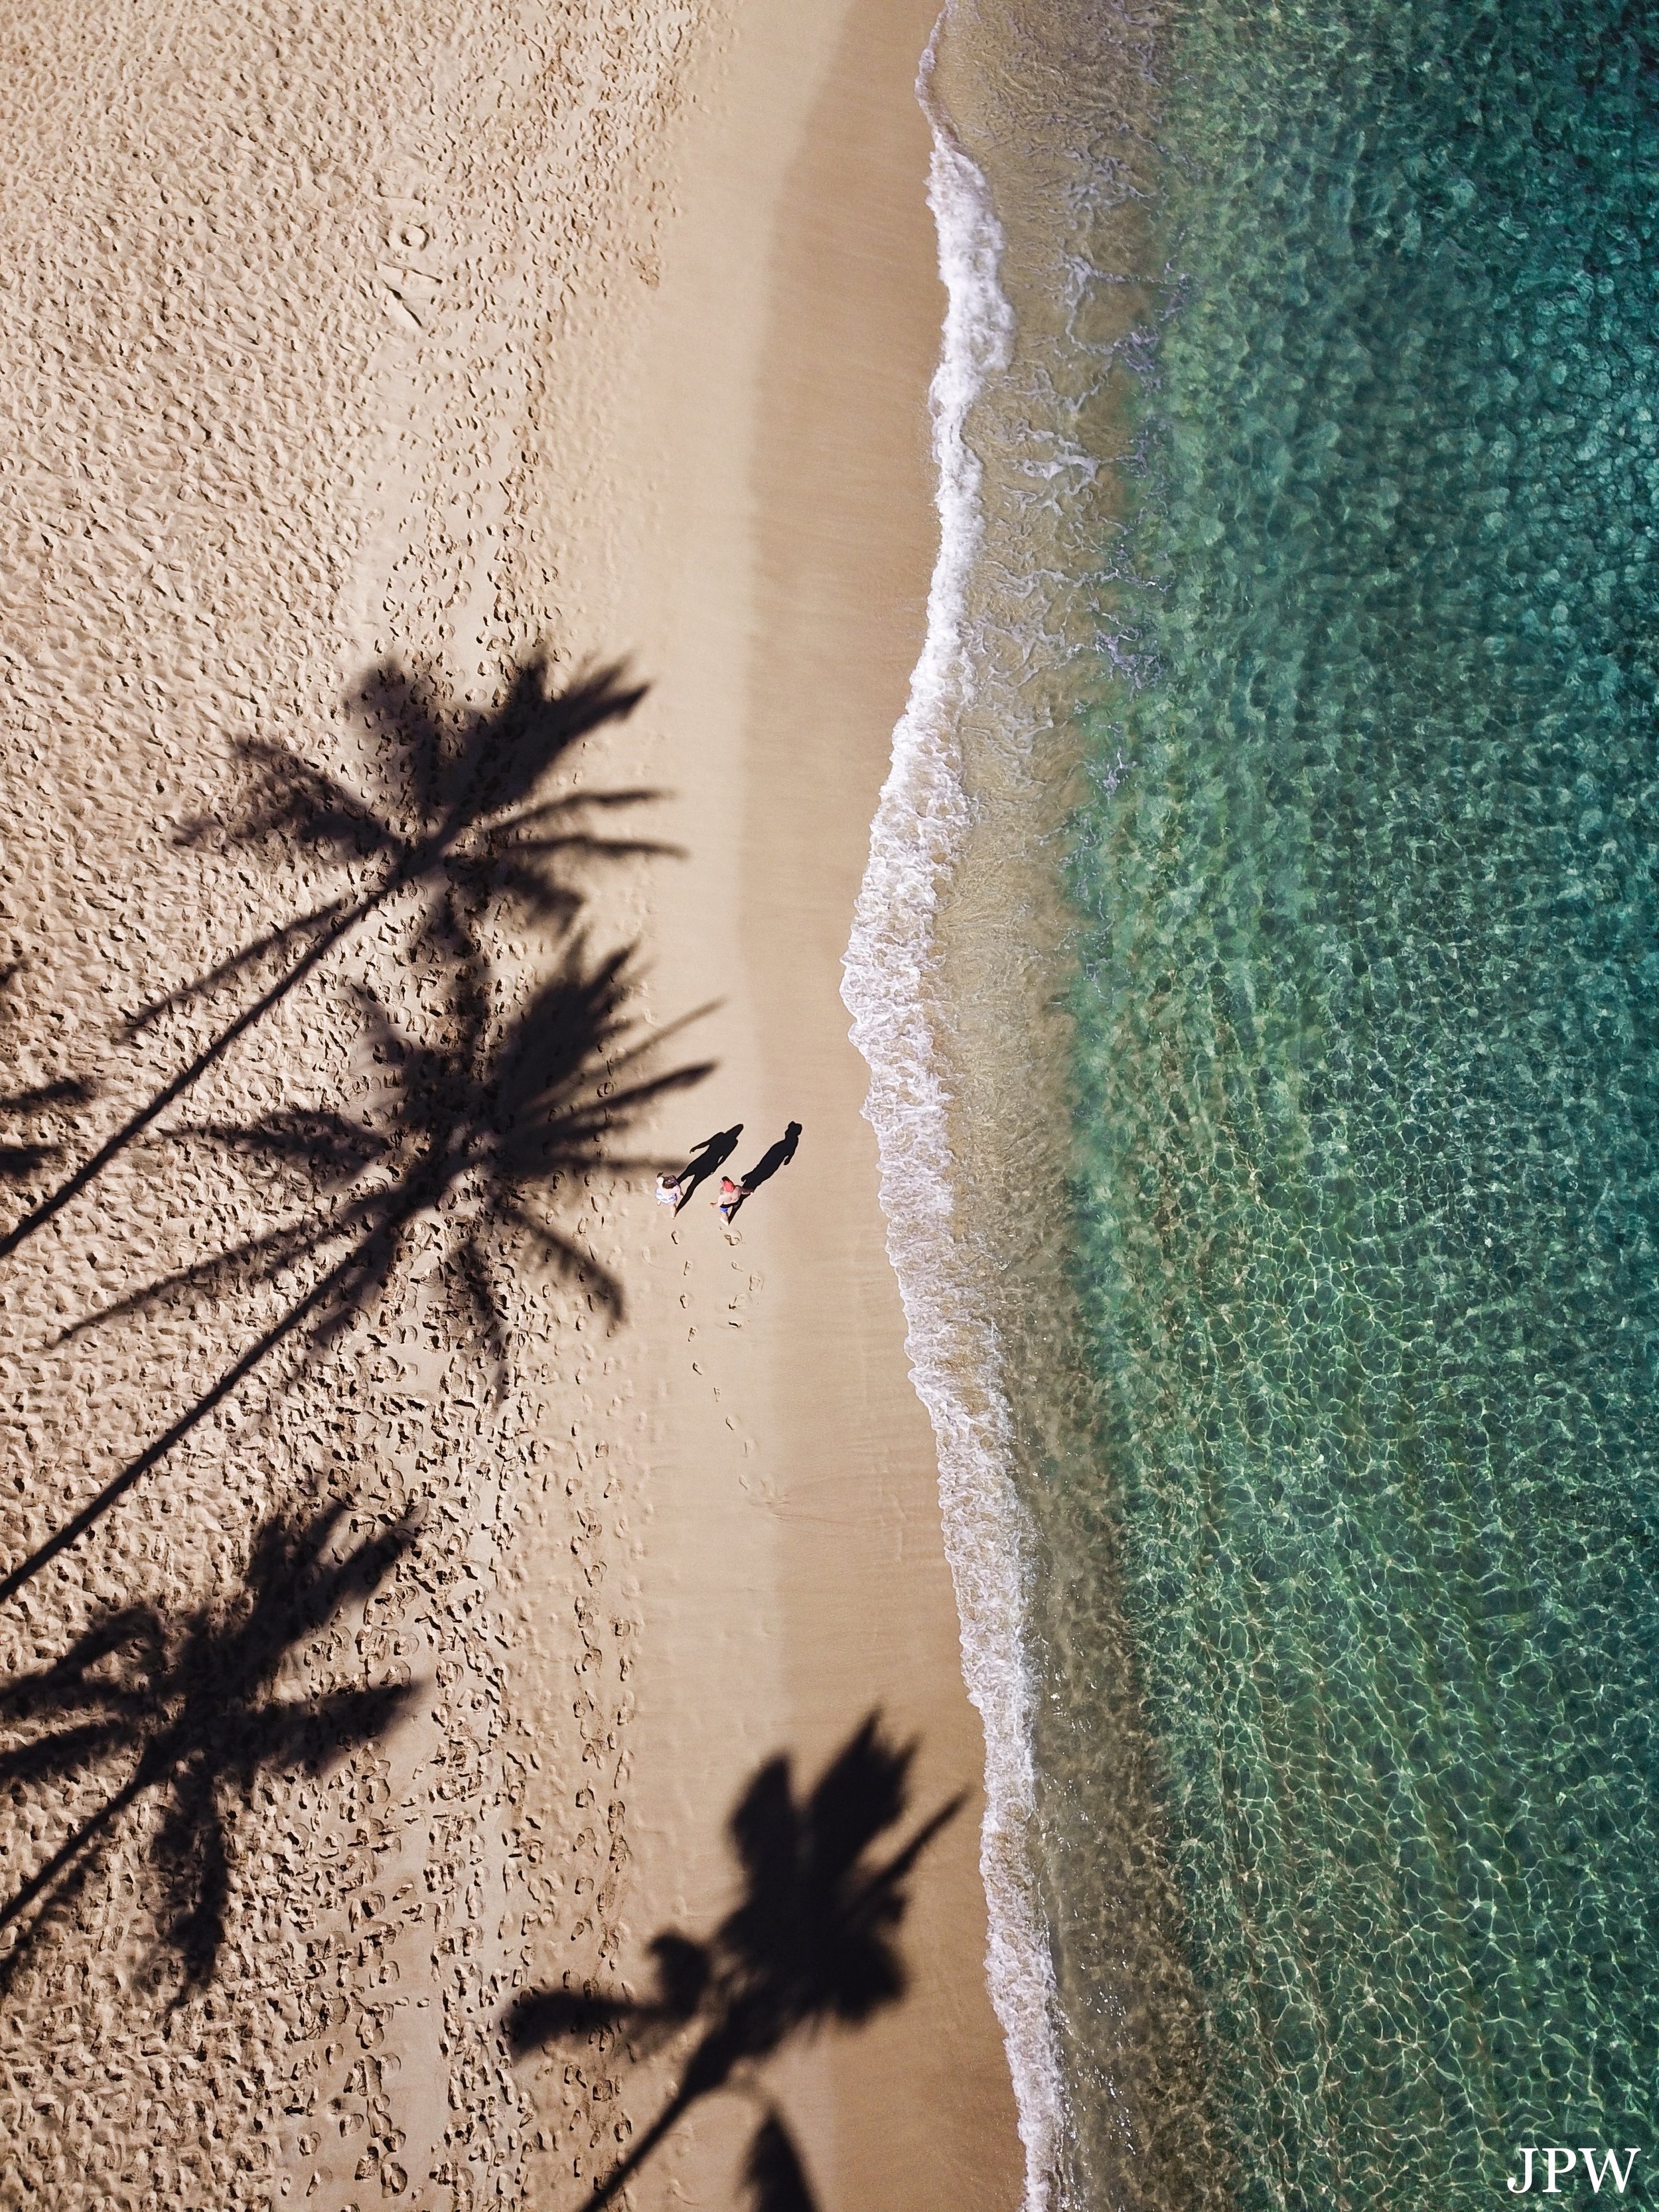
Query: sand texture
x=464, y=1535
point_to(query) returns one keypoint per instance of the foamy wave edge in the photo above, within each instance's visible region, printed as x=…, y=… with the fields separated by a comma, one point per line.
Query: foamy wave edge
x=955, y=1358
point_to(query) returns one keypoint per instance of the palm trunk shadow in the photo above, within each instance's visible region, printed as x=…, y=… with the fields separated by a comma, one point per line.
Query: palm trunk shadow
x=154, y=1453
x=89, y=1832
x=90, y=1168
x=669, y=2118
x=74, y=1880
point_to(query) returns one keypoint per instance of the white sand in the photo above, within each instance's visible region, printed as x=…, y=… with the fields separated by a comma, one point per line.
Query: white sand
x=336, y=333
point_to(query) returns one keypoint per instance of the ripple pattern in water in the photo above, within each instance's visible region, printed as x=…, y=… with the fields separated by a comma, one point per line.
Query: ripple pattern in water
x=1369, y=1021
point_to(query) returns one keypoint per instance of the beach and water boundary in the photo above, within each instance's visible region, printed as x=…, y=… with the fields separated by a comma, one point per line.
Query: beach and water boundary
x=1256, y=969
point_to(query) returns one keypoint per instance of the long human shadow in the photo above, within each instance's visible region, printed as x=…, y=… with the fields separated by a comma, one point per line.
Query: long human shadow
x=775, y=1156
x=193, y=1696
x=475, y=1135
x=707, y=1154
x=809, y=1945
x=462, y=818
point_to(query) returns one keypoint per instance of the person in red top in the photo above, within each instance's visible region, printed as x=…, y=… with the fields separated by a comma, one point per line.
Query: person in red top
x=777, y=1156
x=706, y=1156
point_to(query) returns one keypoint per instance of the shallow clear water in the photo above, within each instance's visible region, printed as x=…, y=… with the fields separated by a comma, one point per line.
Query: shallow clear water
x=1368, y=1123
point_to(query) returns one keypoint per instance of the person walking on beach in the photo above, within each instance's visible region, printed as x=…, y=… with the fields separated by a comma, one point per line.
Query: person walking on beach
x=711, y=1152
x=777, y=1156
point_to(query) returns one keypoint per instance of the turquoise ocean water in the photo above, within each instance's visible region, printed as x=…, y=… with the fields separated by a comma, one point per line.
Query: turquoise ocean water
x=1368, y=1080
x=1296, y=1374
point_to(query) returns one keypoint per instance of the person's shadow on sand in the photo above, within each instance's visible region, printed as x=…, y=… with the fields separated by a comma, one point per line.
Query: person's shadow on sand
x=711, y=1153
x=773, y=1157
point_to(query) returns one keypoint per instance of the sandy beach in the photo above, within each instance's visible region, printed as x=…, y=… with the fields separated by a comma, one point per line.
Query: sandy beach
x=341, y=340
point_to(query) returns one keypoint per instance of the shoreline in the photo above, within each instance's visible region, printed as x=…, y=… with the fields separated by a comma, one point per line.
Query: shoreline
x=836, y=1526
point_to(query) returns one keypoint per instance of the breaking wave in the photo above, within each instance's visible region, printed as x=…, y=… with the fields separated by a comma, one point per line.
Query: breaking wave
x=955, y=1358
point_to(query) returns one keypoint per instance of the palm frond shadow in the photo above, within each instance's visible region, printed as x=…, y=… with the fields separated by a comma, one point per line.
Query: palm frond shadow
x=474, y=1140
x=809, y=1945
x=457, y=813
x=194, y=1695
x=463, y=819
x=22, y=1157
x=24, y=1153
x=774, y=2177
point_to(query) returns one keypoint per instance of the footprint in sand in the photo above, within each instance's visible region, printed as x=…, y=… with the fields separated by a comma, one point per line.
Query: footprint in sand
x=407, y=292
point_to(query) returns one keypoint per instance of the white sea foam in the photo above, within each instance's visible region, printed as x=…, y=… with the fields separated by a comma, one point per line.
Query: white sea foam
x=915, y=840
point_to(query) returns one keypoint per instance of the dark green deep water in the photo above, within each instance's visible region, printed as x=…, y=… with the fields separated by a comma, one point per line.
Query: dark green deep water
x=1368, y=1082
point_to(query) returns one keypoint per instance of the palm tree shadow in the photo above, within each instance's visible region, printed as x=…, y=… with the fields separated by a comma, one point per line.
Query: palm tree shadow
x=459, y=809
x=194, y=1694
x=809, y=1945
x=773, y=2174
x=463, y=817
x=478, y=1137
x=473, y=1134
